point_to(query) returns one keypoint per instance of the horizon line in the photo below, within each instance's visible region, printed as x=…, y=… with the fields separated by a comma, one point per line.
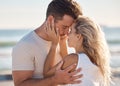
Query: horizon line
x=101, y=25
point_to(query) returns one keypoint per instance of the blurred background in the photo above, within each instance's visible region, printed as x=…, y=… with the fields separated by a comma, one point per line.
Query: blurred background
x=18, y=17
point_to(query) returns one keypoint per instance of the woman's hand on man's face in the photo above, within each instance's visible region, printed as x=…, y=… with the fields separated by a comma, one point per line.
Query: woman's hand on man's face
x=52, y=32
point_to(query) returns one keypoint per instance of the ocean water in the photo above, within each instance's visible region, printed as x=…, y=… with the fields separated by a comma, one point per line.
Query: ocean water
x=8, y=38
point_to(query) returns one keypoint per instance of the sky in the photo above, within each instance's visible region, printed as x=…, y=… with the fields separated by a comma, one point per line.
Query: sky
x=25, y=14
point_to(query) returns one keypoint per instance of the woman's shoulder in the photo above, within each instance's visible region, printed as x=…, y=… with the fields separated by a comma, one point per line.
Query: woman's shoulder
x=71, y=57
x=69, y=60
x=84, y=58
x=85, y=61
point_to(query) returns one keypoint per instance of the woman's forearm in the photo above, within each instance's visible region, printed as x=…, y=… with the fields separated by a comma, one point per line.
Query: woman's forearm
x=49, y=62
x=63, y=48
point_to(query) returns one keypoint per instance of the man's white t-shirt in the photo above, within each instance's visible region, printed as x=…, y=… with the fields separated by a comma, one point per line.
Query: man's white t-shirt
x=30, y=54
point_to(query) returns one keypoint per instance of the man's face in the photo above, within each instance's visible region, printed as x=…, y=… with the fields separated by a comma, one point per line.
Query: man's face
x=64, y=24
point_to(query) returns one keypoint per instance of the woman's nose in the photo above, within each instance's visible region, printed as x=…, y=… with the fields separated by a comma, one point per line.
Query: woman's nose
x=68, y=33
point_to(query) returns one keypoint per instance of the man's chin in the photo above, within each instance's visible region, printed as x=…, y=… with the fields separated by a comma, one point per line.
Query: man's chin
x=63, y=35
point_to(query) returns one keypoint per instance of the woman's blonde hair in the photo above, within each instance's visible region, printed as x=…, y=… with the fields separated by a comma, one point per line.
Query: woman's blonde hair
x=95, y=45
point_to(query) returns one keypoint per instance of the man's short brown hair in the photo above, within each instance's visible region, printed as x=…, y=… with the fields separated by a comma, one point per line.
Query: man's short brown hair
x=58, y=8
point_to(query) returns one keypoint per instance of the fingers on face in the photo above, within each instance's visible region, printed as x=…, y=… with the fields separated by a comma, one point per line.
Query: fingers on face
x=57, y=31
x=52, y=26
x=48, y=26
x=54, y=29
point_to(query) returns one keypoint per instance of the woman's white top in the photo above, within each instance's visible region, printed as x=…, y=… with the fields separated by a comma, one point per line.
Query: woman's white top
x=91, y=73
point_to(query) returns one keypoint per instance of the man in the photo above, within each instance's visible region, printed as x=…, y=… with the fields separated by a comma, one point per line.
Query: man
x=30, y=53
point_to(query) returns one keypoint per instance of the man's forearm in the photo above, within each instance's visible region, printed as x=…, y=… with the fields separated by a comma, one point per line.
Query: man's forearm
x=50, y=81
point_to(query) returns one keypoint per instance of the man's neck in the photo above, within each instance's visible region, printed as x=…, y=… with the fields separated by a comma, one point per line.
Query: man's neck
x=41, y=32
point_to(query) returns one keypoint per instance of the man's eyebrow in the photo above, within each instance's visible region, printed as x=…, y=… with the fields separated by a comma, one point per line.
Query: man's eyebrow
x=65, y=26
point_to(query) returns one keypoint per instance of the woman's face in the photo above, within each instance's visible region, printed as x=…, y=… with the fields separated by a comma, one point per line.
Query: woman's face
x=72, y=37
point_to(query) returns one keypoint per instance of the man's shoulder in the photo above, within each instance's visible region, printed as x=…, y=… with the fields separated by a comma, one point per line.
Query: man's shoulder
x=28, y=37
x=25, y=41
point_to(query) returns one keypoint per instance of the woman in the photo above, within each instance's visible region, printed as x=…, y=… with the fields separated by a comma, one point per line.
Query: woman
x=92, y=53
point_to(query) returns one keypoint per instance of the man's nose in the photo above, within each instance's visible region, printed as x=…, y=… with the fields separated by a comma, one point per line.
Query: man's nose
x=68, y=34
x=67, y=31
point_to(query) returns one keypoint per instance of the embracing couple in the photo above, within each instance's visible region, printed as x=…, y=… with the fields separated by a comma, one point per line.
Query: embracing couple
x=41, y=58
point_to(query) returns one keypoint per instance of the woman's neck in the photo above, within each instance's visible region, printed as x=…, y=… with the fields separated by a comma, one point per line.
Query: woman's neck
x=79, y=49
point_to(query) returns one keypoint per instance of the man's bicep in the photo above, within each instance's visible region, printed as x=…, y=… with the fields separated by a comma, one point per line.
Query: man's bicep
x=20, y=76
